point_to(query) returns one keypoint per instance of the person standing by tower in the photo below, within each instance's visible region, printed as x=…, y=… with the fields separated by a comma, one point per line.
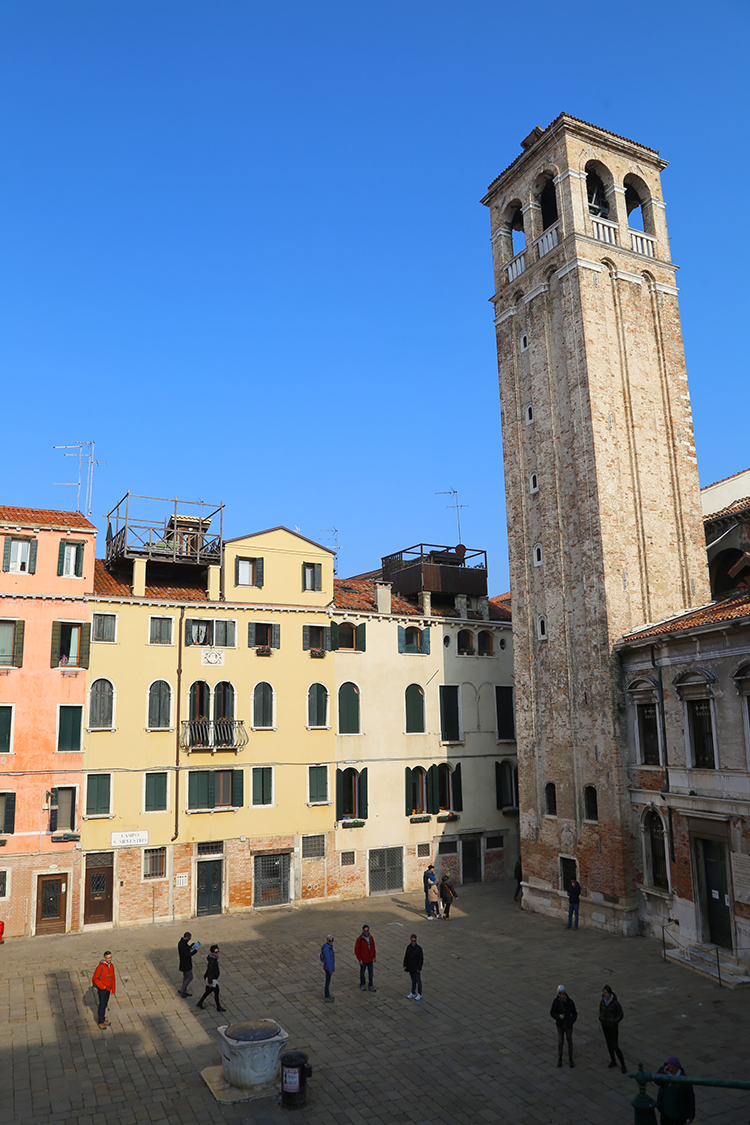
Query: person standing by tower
x=574, y=901
x=104, y=982
x=364, y=951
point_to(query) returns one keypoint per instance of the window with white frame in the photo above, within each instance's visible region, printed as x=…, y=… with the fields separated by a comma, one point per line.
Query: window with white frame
x=248, y=572
x=19, y=555
x=263, y=698
x=98, y=794
x=656, y=851
x=208, y=633
x=742, y=683
x=643, y=694
x=154, y=863
x=6, y=728
x=312, y=576
x=262, y=792
x=103, y=627
x=69, y=722
x=62, y=814
x=317, y=706
x=101, y=705
x=317, y=784
x=155, y=792
x=538, y=555
x=11, y=644
x=695, y=689
x=4, y=883
x=313, y=847
x=160, y=630
x=70, y=559
x=159, y=705
x=7, y=813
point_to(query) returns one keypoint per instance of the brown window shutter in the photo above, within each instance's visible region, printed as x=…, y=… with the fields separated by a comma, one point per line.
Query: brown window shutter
x=18, y=633
x=85, y=653
x=55, y=654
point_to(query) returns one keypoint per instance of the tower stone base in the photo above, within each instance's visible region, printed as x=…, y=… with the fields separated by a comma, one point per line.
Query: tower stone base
x=595, y=912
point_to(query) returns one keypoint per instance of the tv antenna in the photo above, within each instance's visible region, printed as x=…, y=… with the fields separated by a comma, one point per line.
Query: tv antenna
x=456, y=505
x=333, y=532
x=84, y=453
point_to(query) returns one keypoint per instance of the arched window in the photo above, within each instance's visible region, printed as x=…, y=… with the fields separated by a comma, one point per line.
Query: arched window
x=517, y=232
x=538, y=556
x=638, y=205
x=199, y=701
x=597, y=196
x=263, y=706
x=507, y=778
x=529, y=414
x=159, y=705
x=533, y=483
x=548, y=204
x=224, y=714
x=347, y=636
x=590, y=803
x=101, y=705
x=444, y=787
x=484, y=643
x=417, y=796
x=412, y=640
x=348, y=709
x=465, y=643
x=656, y=854
x=541, y=628
x=317, y=705
x=350, y=803
x=414, y=698
x=550, y=799
x=722, y=582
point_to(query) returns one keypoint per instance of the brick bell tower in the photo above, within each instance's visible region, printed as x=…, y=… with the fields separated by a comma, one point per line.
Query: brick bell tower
x=605, y=528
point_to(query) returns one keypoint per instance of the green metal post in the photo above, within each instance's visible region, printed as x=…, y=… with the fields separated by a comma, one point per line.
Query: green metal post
x=644, y=1106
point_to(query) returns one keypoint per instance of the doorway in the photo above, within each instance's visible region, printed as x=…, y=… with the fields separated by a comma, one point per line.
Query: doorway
x=386, y=870
x=97, y=903
x=271, y=880
x=209, y=886
x=471, y=859
x=51, y=904
x=711, y=862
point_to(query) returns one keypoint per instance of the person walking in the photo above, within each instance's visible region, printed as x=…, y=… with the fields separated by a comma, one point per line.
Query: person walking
x=574, y=899
x=364, y=951
x=447, y=895
x=563, y=1012
x=518, y=876
x=433, y=897
x=428, y=877
x=610, y=1015
x=186, y=952
x=328, y=960
x=104, y=982
x=211, y=977
x=675, y=1100
x=413, y=962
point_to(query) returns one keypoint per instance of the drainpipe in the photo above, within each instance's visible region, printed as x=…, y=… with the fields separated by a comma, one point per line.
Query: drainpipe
x=177, y=730
x=663, y=723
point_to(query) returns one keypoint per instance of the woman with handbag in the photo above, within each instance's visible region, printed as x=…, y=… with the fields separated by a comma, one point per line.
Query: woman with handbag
x=447, y=895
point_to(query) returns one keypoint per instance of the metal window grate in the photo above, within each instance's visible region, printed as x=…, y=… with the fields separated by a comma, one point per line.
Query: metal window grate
x=271, y=880
x=494, y=843
x=448, y=847
x=313, y=847
x=423, y=849
x=347, y=859
x=211, y=847
x=386, y=870
x=154, y=863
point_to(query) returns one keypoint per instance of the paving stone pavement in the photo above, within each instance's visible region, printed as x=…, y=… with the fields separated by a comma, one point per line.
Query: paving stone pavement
x=479, y=1048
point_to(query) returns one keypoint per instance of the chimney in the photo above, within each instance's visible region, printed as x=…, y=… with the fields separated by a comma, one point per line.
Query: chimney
x=425, y=603
x=213, y=583
x=462, y=606
x=483, y=605
x=383, y=597
x=139, y=578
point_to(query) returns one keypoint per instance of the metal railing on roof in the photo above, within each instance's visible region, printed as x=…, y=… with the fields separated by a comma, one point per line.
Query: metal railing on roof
x=164, y=530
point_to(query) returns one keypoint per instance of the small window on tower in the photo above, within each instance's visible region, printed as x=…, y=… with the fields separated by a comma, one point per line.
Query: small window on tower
x=541, y=628
x=517, y=232
x=548, y=205
x=538, y=557
x=529, y=414
x=597, y=197
x=524, y=343
x=533, y=483
x=550, y=799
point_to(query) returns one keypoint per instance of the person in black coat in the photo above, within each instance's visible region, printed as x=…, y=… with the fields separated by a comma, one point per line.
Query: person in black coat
x=675, y=1100
x=563, y=1012
x=186, y=952
x=413, y=962
x=447, y=895
x=211, y=977
x=610, y=1015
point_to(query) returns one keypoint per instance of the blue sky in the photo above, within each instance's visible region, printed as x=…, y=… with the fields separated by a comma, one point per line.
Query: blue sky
x=242, y=248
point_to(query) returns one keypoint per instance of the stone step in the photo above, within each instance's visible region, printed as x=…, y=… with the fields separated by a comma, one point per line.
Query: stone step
x=701, y=960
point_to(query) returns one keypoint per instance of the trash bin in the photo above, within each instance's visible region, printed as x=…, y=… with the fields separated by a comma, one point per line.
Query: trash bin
x=295, y=1071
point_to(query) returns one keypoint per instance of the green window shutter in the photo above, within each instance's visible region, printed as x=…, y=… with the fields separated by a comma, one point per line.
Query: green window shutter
x=198, y=789
x=153, y=720
x=258, y=568
x=457, y=795
x=6, y=553
x=499, y=785
x=449, y=726
x=257, y=786
x=53, y=811
x=305, y=638
x=339, y=794
x=334, y=635
x=69, y=736
x=276, y=636
x=318, y=778
x=251, y=634
x=348, y=709
x=84, y=656
x=506, y=720
x=79, y=561
x=97, y=794
x=10, y=814
x=238, y=786
x=426, y=641
x=156, y=792
x=210, y=789
x=188, y=630
x=303, y=578
x=362, y=794
x=360, y=633
x=61, y=558
x=32, y=556
x=401, y=639
x=18, y=633
x=73, y=809
x=318, y=576
x=407, y=790
x=54, y=658
x=414, y=709
x=236, y=570
x=6, y=715
x=327, y=638
x=433, y=790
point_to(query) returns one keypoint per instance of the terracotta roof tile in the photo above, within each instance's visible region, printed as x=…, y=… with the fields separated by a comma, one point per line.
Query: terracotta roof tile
x=500, y=604
x=107, y=584
x=44, y=517
x=359, y=594
x=732, y=509
x=728, y=609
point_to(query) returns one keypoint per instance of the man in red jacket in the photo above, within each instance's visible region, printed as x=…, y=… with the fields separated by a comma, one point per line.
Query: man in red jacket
x=364, y=951
x=103, y=981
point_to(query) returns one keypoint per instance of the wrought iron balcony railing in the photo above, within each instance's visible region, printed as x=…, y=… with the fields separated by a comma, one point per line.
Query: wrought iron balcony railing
x=213, y=735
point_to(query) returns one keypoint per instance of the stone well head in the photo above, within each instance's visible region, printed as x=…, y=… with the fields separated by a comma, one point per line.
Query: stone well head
x=250, y=1051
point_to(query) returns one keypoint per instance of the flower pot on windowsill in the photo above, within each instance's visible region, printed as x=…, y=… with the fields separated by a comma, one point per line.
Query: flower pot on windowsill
x=352, y=823
x=262, y=650
x=445, y=817
x=416, y=819
x=317, y=653
x=466, y=652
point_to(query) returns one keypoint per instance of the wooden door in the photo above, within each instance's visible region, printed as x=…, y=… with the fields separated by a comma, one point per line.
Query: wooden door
x=51, y=903
x=97, y=905
x=209, y=887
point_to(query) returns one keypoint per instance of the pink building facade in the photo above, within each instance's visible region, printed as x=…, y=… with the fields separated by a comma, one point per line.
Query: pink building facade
x=45, y=581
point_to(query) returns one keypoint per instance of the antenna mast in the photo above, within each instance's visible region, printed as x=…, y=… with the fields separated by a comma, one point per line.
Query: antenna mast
x=86, y=464
x=334, y=542
x=456, y=505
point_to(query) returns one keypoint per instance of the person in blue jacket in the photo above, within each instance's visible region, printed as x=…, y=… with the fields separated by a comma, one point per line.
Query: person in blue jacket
x=328, y=961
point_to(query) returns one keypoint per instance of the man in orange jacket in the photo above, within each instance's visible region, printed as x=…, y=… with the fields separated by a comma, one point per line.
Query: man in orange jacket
x=103, y=981
x=364, y=951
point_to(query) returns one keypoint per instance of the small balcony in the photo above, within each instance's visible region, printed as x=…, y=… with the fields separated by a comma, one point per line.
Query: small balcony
x=643, y=243
x=437, y=569
x=516, y=266
x=213, y=735
x=604, y=231
x=548, y=240
x=162, y=530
